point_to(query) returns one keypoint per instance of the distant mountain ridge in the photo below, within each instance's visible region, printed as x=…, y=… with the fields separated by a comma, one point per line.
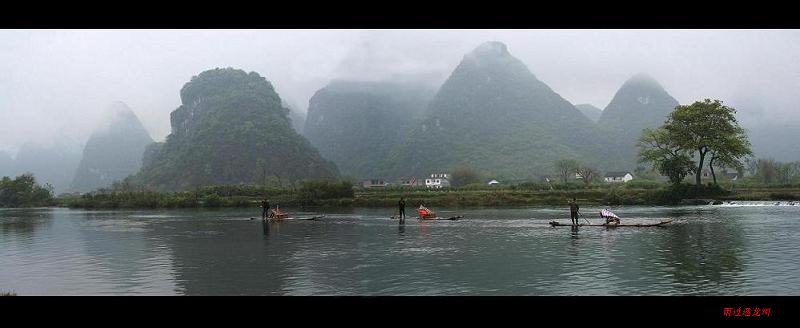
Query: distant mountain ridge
x=113, y=151
x=641, y=102
x=54, y=164
x=358, y=124
x=493, y=114
x=590, y=111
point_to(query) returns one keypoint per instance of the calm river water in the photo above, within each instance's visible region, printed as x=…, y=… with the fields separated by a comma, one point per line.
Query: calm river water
x=751, y=249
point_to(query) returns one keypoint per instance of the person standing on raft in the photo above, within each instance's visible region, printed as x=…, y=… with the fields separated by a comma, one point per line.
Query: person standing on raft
x=264, y=209
x=573, y=211
x=401, y=205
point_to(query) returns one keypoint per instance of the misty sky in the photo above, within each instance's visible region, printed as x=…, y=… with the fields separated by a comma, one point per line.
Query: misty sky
x=55, y=84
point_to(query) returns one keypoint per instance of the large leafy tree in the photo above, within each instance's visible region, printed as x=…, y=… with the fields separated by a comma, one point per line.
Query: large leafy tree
x=707, y=129
x=728, y=151
x=656, y=146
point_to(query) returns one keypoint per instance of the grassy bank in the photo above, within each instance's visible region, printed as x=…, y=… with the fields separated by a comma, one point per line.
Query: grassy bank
x=764, y=194
x=335, y=194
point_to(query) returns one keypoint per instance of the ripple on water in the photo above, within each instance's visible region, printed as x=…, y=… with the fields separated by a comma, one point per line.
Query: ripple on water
x=722, y=250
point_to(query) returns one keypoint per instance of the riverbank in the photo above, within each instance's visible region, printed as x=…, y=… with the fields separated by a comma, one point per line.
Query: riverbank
x=215, y=197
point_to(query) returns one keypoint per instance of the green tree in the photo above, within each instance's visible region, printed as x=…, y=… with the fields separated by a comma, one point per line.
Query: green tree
x=23, y=191
x=314, y=189
x=784, y=171
x=767, y=170
x=587, y=173
x=656, y=146
x=728, y=151
x=463, y=175
x=646, y=173
x=704, y=128
x=566, y=168
x=751, y=165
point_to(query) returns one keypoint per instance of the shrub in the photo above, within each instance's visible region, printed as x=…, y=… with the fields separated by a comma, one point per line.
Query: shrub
x=783, y=196
x=644, y=184
x=212, y=200
x=311, y=190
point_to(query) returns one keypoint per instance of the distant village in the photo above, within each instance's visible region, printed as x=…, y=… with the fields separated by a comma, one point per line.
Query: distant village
x=442, y=180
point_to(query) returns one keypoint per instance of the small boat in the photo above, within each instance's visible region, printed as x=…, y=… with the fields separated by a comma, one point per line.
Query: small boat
x=278, y=215
x=313, y=218
x=425, y=213
x=452, y=218
x=611, y=225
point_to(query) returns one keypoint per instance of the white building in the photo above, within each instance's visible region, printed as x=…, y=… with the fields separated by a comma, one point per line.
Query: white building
x=493, y=182
x=438, y=180
x=618, y=177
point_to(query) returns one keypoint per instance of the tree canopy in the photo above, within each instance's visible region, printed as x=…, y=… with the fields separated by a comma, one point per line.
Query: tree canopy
x=566, y=168
x=23, y=191
x=693, y=133
x=668, y=158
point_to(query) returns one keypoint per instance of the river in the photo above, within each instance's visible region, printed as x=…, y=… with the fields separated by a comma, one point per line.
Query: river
x=751, y=248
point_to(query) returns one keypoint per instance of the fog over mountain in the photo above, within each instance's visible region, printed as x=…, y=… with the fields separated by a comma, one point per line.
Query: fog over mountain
x=357, y=125
x=55, y=83
x=640, y=103
x=493, y=114
x=114, y=150
x=591, y=112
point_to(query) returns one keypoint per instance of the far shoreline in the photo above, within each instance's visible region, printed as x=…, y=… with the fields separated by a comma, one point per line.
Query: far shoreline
x=454, y=198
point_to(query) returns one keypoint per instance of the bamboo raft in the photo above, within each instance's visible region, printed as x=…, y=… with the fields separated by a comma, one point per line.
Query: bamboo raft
x=453, y=218
x=287, y=218
x=659, y=224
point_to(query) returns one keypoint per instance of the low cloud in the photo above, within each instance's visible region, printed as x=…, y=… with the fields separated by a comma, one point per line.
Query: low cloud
x=54, y=85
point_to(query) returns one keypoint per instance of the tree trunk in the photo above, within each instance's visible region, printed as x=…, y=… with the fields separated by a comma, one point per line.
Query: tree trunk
x=699, y=168
x=711, y=166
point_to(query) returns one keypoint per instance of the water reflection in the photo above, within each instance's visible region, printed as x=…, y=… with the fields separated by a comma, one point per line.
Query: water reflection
x=24, y=222
x=707, y=251
x=213, y=257
x=703, y=256
x=119, y=253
